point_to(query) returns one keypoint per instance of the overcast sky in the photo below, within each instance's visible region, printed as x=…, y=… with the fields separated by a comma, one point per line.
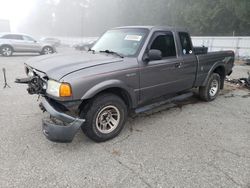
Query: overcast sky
x=16, y=11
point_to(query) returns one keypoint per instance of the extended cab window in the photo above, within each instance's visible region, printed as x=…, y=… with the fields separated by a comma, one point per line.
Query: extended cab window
x=164, y=43
x=186, y=43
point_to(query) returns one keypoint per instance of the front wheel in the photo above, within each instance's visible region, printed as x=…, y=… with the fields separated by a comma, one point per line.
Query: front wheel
x=105, y=117
x=212, y=89
x=47, y=50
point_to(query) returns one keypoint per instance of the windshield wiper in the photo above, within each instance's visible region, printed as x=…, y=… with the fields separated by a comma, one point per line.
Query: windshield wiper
x=111, y=52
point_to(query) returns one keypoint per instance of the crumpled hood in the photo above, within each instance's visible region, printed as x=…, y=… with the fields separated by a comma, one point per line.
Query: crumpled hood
x=59, y=65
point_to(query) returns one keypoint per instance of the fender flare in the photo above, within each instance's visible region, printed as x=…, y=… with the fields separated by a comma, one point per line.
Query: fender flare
x=108, y=84
x=215, y=66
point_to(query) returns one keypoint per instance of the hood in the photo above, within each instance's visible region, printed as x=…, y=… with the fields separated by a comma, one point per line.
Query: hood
x=59, y=65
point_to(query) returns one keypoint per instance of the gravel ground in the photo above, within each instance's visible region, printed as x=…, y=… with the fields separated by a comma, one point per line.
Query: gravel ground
x=194, y=144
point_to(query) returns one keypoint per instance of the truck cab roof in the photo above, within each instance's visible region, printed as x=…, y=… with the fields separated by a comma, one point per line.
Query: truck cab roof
x=155, y=28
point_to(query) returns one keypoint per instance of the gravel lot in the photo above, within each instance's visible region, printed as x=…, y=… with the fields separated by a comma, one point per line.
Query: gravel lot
x=194, y=144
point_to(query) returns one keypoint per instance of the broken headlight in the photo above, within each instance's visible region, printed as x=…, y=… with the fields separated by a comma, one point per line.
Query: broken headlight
x=29, y=72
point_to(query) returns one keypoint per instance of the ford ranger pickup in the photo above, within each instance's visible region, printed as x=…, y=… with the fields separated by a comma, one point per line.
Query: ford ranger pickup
x=126, y=69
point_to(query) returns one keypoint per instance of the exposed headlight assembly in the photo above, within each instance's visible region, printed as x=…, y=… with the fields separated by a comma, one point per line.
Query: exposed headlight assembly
x=29, y=72
x=58, y=89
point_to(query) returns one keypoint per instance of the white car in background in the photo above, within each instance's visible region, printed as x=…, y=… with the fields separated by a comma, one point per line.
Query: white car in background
x=22, y=43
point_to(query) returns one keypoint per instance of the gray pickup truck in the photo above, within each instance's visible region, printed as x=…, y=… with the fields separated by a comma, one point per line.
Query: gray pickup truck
x=126, y=69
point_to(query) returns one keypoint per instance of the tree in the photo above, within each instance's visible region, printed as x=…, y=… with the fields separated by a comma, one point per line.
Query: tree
x=93, y=17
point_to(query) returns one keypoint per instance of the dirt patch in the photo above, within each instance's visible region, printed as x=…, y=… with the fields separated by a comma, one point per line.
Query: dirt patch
x=191, y=100
x=116, y=152
x=240, y=62
x=229, y=96
x=228, y=88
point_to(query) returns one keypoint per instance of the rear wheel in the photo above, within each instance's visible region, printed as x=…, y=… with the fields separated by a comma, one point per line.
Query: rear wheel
x=105, y=117
x=212, y=89
x=6, y=51
x=47, y=50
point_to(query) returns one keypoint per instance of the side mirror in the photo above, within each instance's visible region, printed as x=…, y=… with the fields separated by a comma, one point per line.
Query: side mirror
x=154, y=55
x=35, y=41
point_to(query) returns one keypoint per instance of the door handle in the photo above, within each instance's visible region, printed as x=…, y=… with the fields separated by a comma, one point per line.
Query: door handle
x=177, y=65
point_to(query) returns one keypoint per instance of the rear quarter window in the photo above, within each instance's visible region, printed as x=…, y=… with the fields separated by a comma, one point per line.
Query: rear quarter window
x=186, y=43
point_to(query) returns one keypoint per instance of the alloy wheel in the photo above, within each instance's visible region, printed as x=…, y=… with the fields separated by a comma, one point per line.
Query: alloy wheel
x=108, y=119
x=6, y=51
x=214, y=88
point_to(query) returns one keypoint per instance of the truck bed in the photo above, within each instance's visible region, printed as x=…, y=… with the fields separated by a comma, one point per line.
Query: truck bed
x=212, y=59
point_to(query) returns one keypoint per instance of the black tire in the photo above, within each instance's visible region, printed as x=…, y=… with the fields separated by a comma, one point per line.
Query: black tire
x=93, y=111
x=47, y=50
x=208, y=92
x=6, y=50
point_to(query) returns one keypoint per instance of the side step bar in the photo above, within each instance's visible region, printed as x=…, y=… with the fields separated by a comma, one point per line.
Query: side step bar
x=168, y=101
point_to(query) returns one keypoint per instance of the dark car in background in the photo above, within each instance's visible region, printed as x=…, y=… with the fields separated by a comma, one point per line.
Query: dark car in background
x=21, y=43
x=84, y=46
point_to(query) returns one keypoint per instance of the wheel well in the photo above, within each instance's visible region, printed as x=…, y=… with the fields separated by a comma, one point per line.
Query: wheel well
x=7, y=45
x=221, y=71
x=47, y=47
x=123, y=94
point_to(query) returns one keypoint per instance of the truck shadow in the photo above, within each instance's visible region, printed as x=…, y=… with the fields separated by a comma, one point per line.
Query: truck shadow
x=193, y=99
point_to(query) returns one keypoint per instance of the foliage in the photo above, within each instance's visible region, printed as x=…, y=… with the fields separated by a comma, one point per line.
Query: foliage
x=92, y=17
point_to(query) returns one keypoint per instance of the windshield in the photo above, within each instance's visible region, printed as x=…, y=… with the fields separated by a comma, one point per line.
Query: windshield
x=123, y=41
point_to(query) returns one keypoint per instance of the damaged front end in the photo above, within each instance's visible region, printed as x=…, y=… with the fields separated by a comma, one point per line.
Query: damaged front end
x=36, y=81
x=35, y=85
x=60, y=126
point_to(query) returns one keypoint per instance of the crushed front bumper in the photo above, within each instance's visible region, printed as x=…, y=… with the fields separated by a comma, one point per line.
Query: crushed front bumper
x=58, y=132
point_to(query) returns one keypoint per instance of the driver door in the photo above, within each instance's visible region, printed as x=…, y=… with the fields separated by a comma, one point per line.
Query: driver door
x=160, y=77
